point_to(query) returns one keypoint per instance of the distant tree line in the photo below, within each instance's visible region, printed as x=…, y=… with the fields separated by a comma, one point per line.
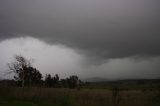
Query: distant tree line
x=71, y=82
x=26, y=75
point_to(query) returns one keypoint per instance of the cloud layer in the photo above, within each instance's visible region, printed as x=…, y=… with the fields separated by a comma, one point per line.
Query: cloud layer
x=100, y=29
x=47, y=58
x=59, y=59
x=68, y=36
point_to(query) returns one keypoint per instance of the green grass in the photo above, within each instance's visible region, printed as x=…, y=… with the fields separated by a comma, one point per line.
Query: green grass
x=17, y=103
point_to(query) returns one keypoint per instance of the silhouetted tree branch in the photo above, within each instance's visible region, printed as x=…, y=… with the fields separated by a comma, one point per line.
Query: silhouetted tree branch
x=24, y=72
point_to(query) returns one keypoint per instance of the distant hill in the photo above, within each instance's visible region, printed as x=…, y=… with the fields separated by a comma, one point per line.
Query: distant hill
x=126, y=81
x=95, y=79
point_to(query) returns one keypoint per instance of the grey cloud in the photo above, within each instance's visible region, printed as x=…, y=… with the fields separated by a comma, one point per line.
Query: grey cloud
x=47, y=58
x=100, y=29
x=59, y=59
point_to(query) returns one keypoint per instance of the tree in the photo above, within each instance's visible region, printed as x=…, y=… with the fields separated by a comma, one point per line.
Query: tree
x=73, y=81
x=24, y=72
x=33, y=76
x=48, y=80
x=56, y=80
x=64, y=83
x=52, y=81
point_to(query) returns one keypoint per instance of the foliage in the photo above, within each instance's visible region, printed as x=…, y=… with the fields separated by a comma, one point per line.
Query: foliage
x=51, y=81
x=25, y=74
x=71, y=82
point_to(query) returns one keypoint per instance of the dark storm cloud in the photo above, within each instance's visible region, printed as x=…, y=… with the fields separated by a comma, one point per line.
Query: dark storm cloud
x=99, y=28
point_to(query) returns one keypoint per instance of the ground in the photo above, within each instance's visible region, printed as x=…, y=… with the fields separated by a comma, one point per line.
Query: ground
x=40, y=96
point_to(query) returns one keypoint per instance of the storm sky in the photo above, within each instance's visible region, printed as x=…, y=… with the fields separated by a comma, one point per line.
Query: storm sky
x=113, y=39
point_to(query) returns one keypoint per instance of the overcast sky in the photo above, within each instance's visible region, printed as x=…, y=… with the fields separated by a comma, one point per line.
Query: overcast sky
x=113, y=39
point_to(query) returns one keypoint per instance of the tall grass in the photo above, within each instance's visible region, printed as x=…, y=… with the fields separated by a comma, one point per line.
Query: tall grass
x=71, y=97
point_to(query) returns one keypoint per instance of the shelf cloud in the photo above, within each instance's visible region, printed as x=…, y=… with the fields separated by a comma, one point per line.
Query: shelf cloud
x=99, y=31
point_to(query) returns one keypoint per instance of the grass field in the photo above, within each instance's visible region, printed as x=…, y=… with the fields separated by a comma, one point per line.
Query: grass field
x=34, y=96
